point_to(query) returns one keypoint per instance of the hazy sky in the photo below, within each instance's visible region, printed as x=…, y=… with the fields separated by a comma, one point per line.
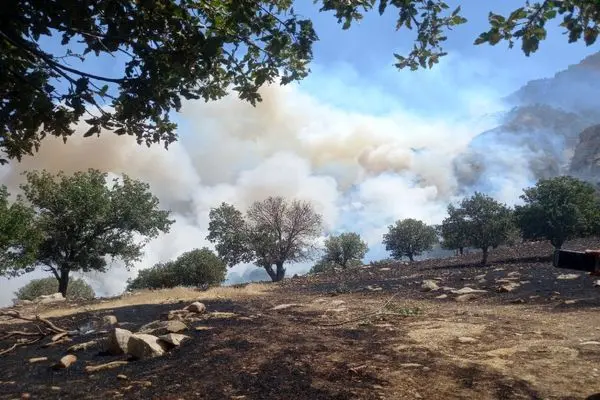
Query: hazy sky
x=367, y=143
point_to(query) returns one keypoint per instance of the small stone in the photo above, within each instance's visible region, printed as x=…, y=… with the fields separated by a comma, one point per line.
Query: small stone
x=568, y=276
x=337, y=303
x=508, y=287
x=109, y=320
x=196, y=307
x=597, y=283
x=25, y=396
x=55, y=388
x=570, y=301
x=173, y=339
x=468, y=290
x=101, y=367
x=163, y=327
x=429, y=285
x=518, y=301
x=122, y=377
x=467, y=339
x=466, y=297
x=442, y=296
x=50, y=298
x=374, y=288
x=66, y=361
x=203, y=328
x=117, y=341
x=336, y=310
x=143, y=346
x=37, y=359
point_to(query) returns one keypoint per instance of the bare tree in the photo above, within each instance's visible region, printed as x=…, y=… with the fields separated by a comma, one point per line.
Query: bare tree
x=274, y=232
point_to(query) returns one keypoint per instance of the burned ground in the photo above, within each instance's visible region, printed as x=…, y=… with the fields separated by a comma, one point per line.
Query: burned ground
x=538, y=341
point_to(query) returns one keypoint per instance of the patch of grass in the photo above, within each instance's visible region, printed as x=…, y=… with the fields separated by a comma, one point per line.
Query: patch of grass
x=163, y=296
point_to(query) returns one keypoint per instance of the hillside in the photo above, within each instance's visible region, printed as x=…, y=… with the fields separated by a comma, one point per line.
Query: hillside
x=586, y=157
x=516, y=329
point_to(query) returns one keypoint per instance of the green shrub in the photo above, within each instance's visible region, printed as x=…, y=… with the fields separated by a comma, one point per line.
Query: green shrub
x=199, y=267
x=78, y=289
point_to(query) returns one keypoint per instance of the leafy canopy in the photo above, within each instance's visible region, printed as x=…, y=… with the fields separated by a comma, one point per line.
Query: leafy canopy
x=345, y=250
x=487, y=222
x=273, y=232
x=83, y=219
x=559, y=209
x=171, y=50
x=453, y=230
x=199, y=267
x=19, y=236
x=409, y=238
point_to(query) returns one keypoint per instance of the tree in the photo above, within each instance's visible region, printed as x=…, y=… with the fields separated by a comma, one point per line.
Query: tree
x=274, y=232
x=410, y=238
x=345, y=250
x=83, y=219
x=453, y=230
x=558, y=209
x=19, y=237
x=190, y=49
x=487, y=222
x=78, y=289
x=199, y=267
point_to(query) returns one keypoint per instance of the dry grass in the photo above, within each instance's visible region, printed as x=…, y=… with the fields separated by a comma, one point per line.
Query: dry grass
x=164, y=296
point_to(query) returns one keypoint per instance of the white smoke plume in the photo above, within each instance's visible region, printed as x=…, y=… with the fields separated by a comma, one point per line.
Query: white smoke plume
x=362, y=171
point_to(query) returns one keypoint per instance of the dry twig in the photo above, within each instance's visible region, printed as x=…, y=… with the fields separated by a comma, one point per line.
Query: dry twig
x=364, y=316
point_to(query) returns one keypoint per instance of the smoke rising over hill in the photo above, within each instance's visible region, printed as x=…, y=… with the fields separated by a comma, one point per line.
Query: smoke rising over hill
x=362, y=171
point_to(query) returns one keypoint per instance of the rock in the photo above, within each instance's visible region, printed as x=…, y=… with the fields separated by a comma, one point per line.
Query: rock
x=143, y=346
x=173, y=339
x=336, y=310
x=568, y=276
x=468, y=290
x=442, y=296
x=479, y=277
x=50, y=298
x=513, y=274
x=570, y=301
x=163, y=327
x=178, y=315
x=466, y=339
x=122, y=377
x=196, y=307
x=117, y=341
x=466, y=297
x=508, y=287
x=429, y=285
x=82, y=346
x=37, y=359
x=109, y=320
x=285, y=306
x=337, y=303
x=66, y=361
x=373, y=288
x=597, y=283
x=203, y=328
x=518, y=301
x=385, y=269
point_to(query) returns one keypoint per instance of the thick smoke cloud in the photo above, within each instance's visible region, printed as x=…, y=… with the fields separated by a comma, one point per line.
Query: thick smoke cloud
x=361, y=170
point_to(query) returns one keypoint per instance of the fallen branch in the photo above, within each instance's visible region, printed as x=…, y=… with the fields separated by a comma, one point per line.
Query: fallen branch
x=113, y=364
x=364, y=316
x=14, y=346
x=37, y=318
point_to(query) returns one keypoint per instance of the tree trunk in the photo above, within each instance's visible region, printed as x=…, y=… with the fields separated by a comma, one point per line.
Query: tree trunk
x=461, y=250
x=410, y=257
x=485, y=256
x=271, y=273
x=280, y=271
x=63, y=282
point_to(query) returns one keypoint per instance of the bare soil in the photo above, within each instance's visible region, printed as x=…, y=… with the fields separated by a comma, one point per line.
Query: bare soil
x=367, y=334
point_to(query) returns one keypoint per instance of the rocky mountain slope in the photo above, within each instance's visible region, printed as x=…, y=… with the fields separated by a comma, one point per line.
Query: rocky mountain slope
x=538, y=137
x=586, y=157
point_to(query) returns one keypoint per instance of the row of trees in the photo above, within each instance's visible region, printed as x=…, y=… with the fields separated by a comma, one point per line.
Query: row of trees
x=556, y=209
x=65, y=223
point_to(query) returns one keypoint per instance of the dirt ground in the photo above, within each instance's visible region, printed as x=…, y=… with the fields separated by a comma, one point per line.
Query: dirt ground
x=373, y=334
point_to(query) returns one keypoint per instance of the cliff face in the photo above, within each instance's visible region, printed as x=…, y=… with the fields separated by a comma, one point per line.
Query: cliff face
x=586, y=157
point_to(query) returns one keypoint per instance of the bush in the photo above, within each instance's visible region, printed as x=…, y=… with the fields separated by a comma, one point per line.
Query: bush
x=78, y=289
x=200, y=267
x=345, y=250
